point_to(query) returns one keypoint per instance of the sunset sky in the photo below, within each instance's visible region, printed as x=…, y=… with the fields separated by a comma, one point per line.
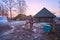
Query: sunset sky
x=35, y=6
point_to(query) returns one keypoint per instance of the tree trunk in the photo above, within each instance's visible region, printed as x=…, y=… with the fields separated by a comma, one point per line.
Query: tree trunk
x=10, y=14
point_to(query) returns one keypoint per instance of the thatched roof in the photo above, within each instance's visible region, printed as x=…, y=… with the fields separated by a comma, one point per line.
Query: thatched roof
x=20, y=17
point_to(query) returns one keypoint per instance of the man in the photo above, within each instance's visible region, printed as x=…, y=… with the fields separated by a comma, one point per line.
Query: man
x=31, y=21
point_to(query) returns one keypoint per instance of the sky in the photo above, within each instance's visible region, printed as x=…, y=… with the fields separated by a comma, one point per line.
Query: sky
x=34, y=6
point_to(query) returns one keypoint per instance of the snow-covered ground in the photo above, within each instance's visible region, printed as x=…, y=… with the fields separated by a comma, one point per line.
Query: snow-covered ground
x=17, y=34
x=9, y=31
x=14, y=25
x=17, y=22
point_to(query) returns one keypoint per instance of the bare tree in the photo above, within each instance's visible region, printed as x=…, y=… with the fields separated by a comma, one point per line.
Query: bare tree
x=9, y=5
x=0, y=9
x=22, y=6
x=3, y=11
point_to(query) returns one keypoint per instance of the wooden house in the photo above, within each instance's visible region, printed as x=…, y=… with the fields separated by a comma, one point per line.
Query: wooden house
x=44, y=16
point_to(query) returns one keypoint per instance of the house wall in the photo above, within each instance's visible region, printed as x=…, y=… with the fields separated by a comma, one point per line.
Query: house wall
x=45, y=19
